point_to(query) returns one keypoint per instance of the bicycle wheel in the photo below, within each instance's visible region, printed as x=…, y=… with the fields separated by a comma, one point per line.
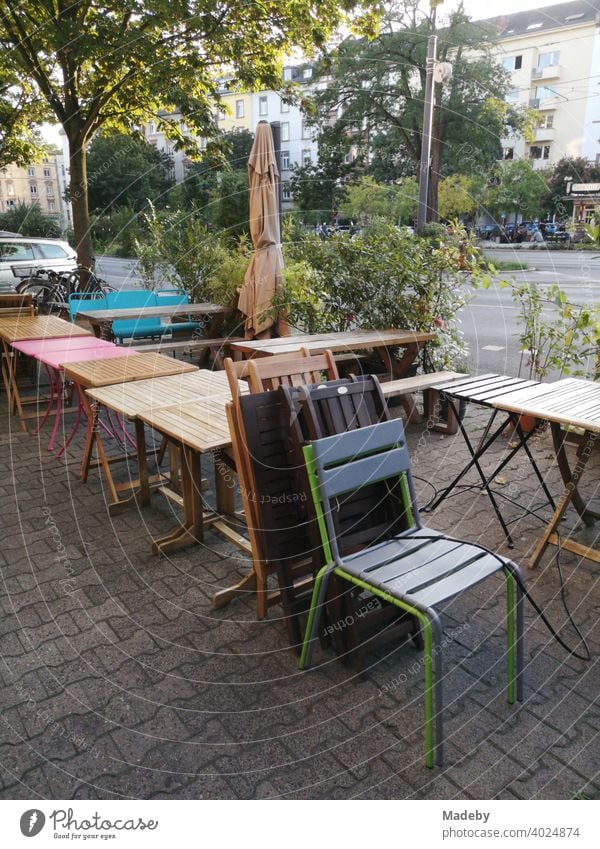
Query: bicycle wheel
x=44, y=297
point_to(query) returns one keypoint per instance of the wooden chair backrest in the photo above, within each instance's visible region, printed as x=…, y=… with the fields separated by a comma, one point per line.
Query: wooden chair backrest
x=267, y=373
x=12, y=304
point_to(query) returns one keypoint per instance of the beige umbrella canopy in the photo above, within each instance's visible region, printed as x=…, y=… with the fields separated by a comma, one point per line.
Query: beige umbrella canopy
x=263, y=276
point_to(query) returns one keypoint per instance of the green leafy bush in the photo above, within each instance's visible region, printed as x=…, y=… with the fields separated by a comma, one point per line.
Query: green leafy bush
x=29, y=220
x=381, y=279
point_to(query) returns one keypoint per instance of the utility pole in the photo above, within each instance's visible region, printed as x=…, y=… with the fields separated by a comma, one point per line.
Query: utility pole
x=426, y=134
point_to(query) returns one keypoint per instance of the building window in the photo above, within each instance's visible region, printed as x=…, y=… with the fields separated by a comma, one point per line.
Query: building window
x=10, y=203
x=285, y=131
x=287, y=73
x=546, y=122
x=239, y=108
x=151, y=127
x=306, y=157
x=513, y=63
x=32, y=189
x=50, y=206
x=305, y=130
x=512, y=95
x=10, y=189
x=285, y=107
x=47, y=172
x=285, y=160
x=285, y=191
x=31, y=171
x=548, y=60
x=221, y=114
x=508, y=153
x=539, y=151
x=544, y=93
x=49, y=190
x=263, y=106
x=307, y=73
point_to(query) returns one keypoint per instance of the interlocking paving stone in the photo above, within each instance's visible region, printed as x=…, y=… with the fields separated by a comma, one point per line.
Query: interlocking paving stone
x=120, y=680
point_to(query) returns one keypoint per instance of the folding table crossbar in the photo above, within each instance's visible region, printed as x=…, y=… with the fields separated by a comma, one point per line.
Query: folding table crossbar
x=487, y=390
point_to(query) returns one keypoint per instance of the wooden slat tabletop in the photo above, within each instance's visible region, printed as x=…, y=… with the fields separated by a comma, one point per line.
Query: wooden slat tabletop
x=569, y=402
x=201, y=425
x=20, y=328
x=95, y=373
x=167, y=311
x=132, y=399
x=352, y=340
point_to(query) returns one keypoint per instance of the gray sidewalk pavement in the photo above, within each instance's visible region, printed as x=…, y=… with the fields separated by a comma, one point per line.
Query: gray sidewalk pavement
x=120, y=681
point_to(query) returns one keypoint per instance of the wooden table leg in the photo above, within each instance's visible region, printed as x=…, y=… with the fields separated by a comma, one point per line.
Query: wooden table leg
x=192, y=528
x=550, y=533
x=398, y=369
x=558, y=438
x=9, y=378
x=140, y=441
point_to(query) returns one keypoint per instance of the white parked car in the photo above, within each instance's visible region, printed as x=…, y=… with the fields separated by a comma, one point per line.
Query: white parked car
x=25, y=253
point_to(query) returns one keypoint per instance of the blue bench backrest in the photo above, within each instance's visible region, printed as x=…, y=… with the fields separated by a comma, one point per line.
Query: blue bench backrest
x=84, y=302
x=131, y=299
x=171, y=297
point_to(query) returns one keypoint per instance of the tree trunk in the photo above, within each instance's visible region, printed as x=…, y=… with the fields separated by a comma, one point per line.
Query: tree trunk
x=79, y=202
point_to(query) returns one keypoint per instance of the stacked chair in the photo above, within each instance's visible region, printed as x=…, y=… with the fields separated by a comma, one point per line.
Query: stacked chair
x=416, y=570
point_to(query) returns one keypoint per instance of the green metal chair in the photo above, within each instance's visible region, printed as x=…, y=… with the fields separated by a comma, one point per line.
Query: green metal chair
x=416, y=570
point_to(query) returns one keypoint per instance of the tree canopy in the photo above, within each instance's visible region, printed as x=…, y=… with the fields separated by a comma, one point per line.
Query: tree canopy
x=521, y=189
x=115, y=63
x=124, y=170
x=376, y=90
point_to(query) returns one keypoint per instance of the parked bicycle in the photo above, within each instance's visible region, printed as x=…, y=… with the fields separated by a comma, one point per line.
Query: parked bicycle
x=50, y=290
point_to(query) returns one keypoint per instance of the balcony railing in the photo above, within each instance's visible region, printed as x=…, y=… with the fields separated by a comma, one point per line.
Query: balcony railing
x=549, y=72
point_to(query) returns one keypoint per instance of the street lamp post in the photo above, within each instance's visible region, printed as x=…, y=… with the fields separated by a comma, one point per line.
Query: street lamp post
x=426, y=135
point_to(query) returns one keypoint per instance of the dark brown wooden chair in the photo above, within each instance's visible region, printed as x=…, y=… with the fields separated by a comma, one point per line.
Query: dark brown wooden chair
x=265, y=374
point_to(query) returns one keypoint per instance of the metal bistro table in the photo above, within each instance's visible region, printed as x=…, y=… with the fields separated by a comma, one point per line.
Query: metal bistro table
x=209, y=315
x=488, y=390
x=348, y=341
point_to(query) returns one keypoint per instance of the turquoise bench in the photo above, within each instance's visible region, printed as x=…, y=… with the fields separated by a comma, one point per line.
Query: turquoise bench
x=135, y=328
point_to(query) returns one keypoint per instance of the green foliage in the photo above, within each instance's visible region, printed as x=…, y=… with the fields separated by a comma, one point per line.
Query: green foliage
x=367, y=199
x=521, y=190
x=116, y=232
x=377, y=89
x=561, y=337
x=228, y=206
x=319, y=190
x=112, y=64
x=458, y=196
x=179, y=251
x=383, y=279
x=228, y=152
x=125, y=171
x=29, y=220
x=21, y=115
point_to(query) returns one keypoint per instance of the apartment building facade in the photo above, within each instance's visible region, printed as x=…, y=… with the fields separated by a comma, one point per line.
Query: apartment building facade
x=553, y=56
x=42, y=183
x=242, y=111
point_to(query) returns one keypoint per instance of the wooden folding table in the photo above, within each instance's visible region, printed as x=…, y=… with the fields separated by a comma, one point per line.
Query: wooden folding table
x=198, y=428
x=97, y=373
x=565, y=403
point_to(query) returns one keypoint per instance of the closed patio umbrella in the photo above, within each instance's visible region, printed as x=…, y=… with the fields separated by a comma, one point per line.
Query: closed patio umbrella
x=263, y=276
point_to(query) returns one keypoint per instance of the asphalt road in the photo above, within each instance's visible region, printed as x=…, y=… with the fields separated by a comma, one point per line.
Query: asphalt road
x=489, y=322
